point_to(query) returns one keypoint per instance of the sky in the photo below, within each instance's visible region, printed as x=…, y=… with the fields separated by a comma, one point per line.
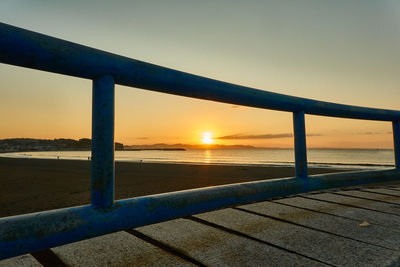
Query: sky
x=344, y=51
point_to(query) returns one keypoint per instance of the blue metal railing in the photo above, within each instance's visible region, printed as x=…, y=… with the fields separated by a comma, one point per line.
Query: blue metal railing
x=32, y=232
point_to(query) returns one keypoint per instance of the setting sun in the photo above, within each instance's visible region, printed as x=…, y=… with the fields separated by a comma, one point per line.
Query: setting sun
x=207, y=138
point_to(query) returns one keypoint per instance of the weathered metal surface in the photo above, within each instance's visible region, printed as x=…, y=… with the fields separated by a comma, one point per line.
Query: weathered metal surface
x=102, y=164
x=37, y=231
x=37, y=51
x=300, y=148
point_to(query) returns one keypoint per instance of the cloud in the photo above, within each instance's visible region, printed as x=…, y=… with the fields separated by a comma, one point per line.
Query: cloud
x=369, y=133
x=142, y=138
x=258, y=136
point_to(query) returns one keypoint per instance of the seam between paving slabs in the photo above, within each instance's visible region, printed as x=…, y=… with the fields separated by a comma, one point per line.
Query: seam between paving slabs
x=349, y=205
x=321, y=212
x=48, y=258
x=376, y=200
x=309, y=227
x=379, y=193
x=165, y=247
x=335, y=215
x=231, y=231
x=392, y=188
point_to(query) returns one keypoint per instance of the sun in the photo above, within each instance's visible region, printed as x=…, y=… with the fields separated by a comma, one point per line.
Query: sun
x=207, y=138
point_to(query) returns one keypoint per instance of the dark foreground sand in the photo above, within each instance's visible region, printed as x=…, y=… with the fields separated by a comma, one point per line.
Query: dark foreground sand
x=29, y=185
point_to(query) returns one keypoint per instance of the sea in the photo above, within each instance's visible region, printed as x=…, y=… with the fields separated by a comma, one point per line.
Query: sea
x=319, y=158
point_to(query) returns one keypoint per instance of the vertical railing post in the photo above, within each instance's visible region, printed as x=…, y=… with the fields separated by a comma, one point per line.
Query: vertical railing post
x=102, y=167
x=396, y=141
x=300, y=149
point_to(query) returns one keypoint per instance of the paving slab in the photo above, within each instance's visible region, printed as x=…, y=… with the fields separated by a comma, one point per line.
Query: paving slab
x=214, y=247
x=358, y=202
x=383, y=191
x=360, y=215
x=117, y=249
x=372, y=196
x=325, y=247
x=370, y=233
x=20, y=261
x=315, y=230
x=393, y=188
x=397, y=188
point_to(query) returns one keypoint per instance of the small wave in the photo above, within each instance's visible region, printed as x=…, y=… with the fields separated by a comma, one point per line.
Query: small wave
x=352, y=164
x=223, y=160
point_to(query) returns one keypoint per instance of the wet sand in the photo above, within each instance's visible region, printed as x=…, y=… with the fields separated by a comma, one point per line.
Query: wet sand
x=30, y=185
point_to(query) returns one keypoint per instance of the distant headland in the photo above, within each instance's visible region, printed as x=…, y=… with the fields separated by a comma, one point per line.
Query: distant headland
x=84, y=144
x=162, y=146
x=31, y=144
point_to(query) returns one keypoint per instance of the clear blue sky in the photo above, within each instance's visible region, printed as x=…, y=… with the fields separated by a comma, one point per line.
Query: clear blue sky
x=340, y=51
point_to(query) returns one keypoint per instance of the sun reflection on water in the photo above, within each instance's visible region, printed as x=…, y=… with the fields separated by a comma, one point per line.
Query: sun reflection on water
x=207, y=156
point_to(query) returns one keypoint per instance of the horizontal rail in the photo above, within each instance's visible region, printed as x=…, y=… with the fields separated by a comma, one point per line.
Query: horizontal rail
x=37, y=231
x=37, y=51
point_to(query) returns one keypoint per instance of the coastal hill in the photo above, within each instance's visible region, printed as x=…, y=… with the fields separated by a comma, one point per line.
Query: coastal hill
x=31, y=144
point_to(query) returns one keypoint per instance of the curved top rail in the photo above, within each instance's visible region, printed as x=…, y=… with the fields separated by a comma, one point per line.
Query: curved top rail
x=37, y=51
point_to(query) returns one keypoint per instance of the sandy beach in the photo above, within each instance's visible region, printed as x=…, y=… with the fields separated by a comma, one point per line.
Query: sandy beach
x=30, y=185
